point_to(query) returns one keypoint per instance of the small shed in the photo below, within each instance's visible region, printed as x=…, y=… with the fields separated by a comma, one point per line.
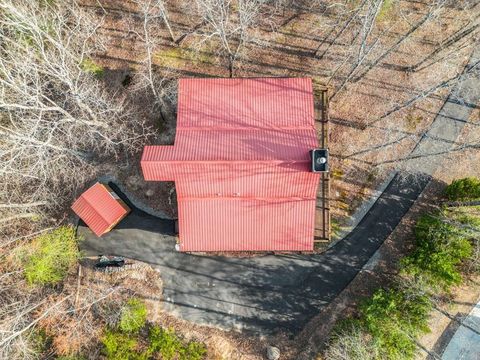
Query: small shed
x=100, y=208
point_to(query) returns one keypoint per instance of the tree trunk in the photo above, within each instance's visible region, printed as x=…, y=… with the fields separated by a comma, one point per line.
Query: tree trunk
x=340, y=33
x=459, y=35
x=165, y=19
x=394, y=47
x=231, y=60
x=31, y=204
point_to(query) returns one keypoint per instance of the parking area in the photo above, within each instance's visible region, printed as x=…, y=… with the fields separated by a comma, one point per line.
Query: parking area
x=263, y=294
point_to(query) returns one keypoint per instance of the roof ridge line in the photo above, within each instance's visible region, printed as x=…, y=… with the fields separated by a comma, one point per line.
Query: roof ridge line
x=246, y=128
x=276, y=161
x=268, y=199
x=90, y=204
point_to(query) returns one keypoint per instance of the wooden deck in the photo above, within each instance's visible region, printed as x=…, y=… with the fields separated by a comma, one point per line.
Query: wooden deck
x=322, y=215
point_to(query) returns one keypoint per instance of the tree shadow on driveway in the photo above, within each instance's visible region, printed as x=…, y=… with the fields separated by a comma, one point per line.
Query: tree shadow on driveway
x=265, y=294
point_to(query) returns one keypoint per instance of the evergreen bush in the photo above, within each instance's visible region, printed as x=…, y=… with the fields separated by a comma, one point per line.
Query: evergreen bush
x=129, y=341
x=463, y=189
x=134, y=316
x=440, y=248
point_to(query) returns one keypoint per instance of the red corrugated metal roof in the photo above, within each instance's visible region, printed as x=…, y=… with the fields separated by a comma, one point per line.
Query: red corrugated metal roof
x=244, y=224
x=241, y=164
x=99, y=208
x=265, y=103
x=240, y=144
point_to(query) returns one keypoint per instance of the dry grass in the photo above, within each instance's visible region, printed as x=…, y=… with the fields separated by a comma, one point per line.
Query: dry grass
x=95, y=299
x=277, y=50
x=357, y=149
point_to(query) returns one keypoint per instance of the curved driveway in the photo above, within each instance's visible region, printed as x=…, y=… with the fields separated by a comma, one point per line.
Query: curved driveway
x=283, y=292
x=263, y=294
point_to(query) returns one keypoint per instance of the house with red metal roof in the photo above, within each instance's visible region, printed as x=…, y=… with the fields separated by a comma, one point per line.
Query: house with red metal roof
x=100, y=208
x=241, y=164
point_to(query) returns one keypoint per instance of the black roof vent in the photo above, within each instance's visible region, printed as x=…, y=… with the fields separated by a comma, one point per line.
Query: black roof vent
x=319, y=160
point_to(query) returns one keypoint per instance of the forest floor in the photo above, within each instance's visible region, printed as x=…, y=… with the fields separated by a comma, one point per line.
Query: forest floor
x=285, y=49
x=381, y=268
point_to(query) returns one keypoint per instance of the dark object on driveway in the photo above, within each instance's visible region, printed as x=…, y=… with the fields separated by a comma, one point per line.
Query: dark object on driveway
x=319, y=160
x=109, y=261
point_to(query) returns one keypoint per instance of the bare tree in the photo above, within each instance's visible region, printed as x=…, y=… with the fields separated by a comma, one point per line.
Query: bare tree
x=57, y=120
x=351, y=343
x=467, y=33
x=432, y=12
x=366, y=45
x=230, y=22
x=470, y=71
x=160, y=86
x=71, y=315
x=164, y=16
x=352, y=16
x=17, y=307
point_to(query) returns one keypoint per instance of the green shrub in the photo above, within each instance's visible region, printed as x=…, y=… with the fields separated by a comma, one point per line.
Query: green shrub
x=390, y=321
x=164, y=342
x=193, y=351
x=47, y=259
x=40, y=341
x=386, y=327
x=395, y=317
x=463, y=189
x=119, y=345
x=134, y=316
x=440, y=248
x=168, y=345
x=90, y=67
x=160, y=343
x=128, y=340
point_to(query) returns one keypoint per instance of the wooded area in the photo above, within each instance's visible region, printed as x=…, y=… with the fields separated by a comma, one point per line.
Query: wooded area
x=84, y=84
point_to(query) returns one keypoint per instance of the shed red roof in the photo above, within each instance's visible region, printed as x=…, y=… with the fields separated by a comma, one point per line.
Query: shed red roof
x=100, y=208
x=241, y=164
